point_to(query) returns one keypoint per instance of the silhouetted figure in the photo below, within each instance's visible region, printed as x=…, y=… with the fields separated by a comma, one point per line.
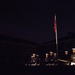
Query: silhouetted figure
x=33, y=60
x=46, y=59
x=38, y=60
x=55, y=59
x=66, y=57
x=51, y=59
x=73, y=57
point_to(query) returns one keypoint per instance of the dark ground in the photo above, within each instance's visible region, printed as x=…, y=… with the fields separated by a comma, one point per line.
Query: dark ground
x=64, y=70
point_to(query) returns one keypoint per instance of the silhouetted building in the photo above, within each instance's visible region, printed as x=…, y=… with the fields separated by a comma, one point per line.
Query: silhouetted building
x=16, y=51
x=64, y=43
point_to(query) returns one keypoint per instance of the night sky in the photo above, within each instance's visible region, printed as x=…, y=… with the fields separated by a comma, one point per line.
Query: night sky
x=33, y=19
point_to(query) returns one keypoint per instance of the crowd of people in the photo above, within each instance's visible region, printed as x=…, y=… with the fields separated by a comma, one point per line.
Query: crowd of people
x=51, y=59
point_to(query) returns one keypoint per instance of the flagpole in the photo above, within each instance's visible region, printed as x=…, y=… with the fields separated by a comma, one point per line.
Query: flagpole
x=55, y=29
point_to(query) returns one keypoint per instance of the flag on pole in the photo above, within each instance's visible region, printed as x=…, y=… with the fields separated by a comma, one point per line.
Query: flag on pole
x=55, y=24
x=55, y=30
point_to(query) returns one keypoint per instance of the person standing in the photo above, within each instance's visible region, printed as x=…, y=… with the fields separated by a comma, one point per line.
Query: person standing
x=51, y=58
x=33, y=60
x=55, y=59
x=38, y=60
x=66, y=57
x=73, y=57
x=46, y=59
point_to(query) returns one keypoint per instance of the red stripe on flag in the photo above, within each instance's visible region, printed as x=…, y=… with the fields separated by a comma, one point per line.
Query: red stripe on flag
x=55, y=23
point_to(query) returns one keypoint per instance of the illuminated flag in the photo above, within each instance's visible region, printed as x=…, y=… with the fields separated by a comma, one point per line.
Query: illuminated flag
x=55, y=30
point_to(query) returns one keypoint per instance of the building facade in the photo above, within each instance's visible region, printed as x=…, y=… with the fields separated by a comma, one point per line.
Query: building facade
x=65, y=43
x=16, y=51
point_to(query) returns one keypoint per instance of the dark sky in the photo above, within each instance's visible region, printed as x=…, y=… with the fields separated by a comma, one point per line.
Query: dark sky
x=33, y=19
